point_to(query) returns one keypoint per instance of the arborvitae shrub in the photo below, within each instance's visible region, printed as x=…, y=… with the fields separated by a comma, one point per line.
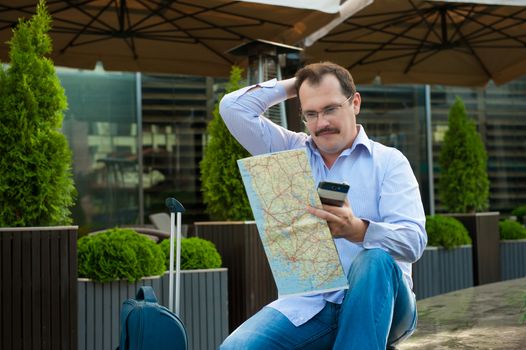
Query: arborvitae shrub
x=511, y=229
x=223, y=191
x=447, y=232
x=118, y=254
x=196, y=253
x=463, y=184
x=36, y=185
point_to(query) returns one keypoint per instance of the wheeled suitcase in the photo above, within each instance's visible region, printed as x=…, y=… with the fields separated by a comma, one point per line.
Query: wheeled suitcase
x=146, y=325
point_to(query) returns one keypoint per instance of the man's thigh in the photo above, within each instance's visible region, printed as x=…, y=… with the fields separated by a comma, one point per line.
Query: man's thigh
x=269, y=329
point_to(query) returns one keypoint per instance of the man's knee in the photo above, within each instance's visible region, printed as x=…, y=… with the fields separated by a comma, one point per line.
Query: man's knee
x=238, y=340
x=372, y=263
x=373, y=256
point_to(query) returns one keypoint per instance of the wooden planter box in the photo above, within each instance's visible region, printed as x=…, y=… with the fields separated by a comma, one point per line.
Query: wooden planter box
x=441, y=271
x=203, y=308
x=38, y=288
x=250, y=282
x=513, y=259
x=484, y=231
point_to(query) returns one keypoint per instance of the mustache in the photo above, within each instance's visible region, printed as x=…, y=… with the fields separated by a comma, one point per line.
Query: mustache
x=327, y=129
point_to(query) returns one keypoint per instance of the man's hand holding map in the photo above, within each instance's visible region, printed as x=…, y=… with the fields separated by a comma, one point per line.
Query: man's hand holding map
x=300, y=249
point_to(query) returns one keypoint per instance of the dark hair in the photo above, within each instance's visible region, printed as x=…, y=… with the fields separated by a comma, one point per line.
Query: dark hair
x=313, y=73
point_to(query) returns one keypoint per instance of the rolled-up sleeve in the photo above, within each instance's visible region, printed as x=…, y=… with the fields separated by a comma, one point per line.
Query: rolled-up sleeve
x=401, y=231
x=242, y=112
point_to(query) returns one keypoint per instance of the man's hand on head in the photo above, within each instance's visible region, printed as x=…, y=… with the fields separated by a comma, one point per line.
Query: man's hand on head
x=342, y=222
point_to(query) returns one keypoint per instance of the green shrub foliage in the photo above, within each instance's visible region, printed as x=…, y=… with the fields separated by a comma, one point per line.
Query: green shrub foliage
x=519, y=212
x=36, y=185
x=511, y=229
x=196, y=253
x=118, y=254
x=445, y=231
x=463, y=185
x=223, y=191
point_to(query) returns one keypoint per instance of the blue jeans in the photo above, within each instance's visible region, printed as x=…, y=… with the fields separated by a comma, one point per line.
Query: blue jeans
x=378, y=310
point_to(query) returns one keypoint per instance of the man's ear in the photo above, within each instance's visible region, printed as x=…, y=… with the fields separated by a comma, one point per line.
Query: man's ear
x=356, y=102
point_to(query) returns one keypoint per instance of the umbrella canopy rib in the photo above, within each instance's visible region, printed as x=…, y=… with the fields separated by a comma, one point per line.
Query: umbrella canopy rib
x=428, y=41
x=196, y=39
x=83, y=27
x=165, y=36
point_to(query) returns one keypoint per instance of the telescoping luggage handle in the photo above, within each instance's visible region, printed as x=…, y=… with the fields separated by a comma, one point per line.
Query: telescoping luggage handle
x=174, y=206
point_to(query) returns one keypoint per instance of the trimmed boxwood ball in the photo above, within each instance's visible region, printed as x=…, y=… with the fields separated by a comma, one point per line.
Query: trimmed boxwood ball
x=445, y=231
x=519, y=212
x=118, y=254
x=196, y=253
x=511, y=229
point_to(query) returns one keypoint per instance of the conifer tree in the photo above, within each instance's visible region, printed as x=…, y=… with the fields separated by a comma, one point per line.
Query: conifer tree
x=463, y=183
x=36, y=186
x=223, y=191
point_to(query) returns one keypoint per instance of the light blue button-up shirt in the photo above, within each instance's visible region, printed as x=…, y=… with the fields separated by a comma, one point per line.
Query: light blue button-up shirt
x=383, y=188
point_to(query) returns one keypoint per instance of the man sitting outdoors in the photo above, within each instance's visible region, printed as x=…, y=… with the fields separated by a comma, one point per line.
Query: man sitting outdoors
x=379, y=232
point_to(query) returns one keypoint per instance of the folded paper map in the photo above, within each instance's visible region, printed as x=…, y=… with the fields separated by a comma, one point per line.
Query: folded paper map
x=299, y=246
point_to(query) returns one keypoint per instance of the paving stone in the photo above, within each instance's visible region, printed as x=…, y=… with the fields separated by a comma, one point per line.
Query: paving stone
x=484, y=317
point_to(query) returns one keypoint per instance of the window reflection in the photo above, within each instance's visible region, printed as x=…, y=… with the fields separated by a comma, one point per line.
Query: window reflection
x=101, y=126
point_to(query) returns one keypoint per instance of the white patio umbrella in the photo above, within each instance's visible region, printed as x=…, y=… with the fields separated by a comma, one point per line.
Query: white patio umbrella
x=166, y=36
x=452, y=42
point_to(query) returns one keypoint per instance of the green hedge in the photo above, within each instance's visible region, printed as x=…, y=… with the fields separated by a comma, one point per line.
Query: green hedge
x=511, y=229
x=118, y=254
x=519, y=212
x=445, y=231
x=196, y=253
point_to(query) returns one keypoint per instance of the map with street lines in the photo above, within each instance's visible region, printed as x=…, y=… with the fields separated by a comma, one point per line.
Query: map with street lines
x=299, y=246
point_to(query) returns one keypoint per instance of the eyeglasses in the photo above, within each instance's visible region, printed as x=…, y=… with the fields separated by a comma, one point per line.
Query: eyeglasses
x=328, y=112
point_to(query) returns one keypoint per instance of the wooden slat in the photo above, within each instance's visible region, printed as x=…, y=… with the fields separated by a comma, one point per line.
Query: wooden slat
x=82, y=316
x=46, y=290
x=27, y=285
x=107, y=289
x=17, y=323
x=99, y=318
x=72, y=285
x=54, y=286
x=64, y=274
x=3, y=242
x=7, y=290
x=116, y=302
x=36, y=300
x=90, y=316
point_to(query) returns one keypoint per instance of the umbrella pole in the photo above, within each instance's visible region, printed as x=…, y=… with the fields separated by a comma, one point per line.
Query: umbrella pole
x=429, y=132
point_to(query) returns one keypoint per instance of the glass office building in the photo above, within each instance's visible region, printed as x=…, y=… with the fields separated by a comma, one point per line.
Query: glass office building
x=138, y=139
